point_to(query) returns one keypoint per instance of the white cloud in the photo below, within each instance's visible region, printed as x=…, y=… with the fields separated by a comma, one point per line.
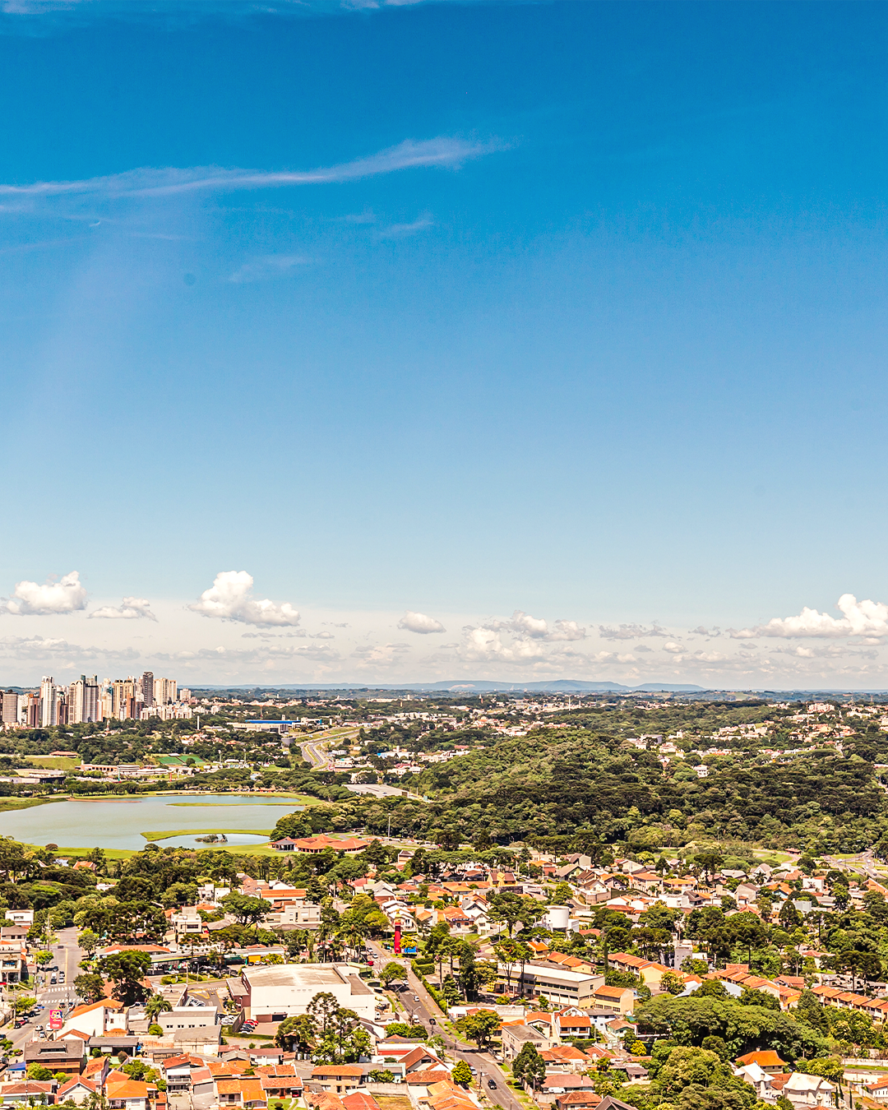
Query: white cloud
x=269, y=267
x=29, y=599
x=230, y=598
x=673, y=648
x=629, y=631
x=151, y=182
x=486, y=644
x=522, y=624
x=420, y=622
x=860, y=618
x=131, y=609
x=379, y=655
x=566, y=630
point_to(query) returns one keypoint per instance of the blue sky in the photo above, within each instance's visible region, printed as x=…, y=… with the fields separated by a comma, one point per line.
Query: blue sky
x=570, y=311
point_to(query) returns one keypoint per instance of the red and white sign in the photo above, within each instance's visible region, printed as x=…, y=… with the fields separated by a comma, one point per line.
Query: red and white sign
x=55, y=1019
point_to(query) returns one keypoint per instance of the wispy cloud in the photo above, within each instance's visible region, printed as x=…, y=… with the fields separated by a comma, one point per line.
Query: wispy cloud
x=152, y=182
x=629, y=631
x=401, y=231
x=132, y=609
x=184, y=11
x=269, y=266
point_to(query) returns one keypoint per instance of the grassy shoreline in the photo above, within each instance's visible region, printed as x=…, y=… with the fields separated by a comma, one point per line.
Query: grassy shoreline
x=152, y=837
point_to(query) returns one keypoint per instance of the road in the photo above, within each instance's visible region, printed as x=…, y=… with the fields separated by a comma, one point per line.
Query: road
x=425, y=1009
x=314, y=749
x=66, y=955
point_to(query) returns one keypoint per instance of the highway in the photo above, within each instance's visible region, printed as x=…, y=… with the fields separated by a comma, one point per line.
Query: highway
x=314, y=749
x=419, y=1003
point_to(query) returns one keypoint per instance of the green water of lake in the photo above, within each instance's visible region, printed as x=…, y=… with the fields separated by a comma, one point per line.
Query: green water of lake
x=119, y=823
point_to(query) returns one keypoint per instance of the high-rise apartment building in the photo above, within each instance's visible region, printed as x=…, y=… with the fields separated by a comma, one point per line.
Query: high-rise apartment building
x=32, y=711
x=106, y=699
x=10, y=711
x=148, y=689
x=123, y=697
x=165, y=691
x=84, y=701
x=48, y=704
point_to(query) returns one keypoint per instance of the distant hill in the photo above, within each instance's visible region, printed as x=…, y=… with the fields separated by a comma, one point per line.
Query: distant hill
x=485, y=686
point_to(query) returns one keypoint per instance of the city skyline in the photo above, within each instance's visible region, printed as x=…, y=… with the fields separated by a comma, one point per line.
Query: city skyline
x=436, y=341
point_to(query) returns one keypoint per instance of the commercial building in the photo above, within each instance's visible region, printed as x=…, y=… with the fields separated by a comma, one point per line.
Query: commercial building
x=271, y=994
x=566, y=988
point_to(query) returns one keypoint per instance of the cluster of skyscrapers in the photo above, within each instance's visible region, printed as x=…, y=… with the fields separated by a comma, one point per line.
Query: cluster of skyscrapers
x=87, y=699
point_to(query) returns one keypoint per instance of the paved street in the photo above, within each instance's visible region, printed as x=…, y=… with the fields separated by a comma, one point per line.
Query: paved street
x=66, y=956
x=425, y=1009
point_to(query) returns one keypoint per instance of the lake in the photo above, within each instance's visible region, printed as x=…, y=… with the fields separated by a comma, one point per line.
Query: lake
x=120, y=822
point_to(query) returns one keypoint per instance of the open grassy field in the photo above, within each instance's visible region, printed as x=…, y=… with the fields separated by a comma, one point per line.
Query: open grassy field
x=53, y=762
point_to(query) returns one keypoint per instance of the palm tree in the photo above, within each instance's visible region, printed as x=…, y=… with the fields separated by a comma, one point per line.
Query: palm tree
x=157, y=1004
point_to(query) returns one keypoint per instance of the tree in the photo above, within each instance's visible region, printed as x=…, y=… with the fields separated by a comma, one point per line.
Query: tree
x=505, y=907
x=789, y=916
x=157, y=1005
x=810, y=1010
x=323, y=1008
x=508, y=952
x=127, y=970
x=403, y=1029
x=297, y=1034
x=450, y=990
x=384, y=1076
x=709, y=863
x=179, y=894
x=830, y=1067
x=246, y=910
x=767, y=1001
x=743, y=1028
x=480, y=1027
x=672, y=983
x=561, y=895
x=529, y=1067
x=88, y=941
x=747, y=930
x=462, y=1074
x=393, y=972
x=39, y=1072
x=712, y=988
x=90, y=987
